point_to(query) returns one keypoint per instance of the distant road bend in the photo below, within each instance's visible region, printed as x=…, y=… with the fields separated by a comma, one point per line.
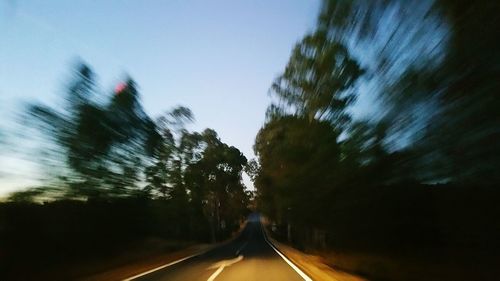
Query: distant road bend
x=250, y=256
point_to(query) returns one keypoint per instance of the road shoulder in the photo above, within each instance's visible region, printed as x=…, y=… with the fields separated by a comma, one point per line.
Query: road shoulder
x=152, y=262
x=312, y=265
x=146, y=264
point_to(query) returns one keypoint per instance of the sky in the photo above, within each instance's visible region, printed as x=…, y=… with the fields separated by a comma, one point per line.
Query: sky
x=216, y=57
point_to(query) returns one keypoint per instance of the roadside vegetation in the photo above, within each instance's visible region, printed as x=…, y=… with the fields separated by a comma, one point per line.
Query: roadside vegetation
x=113, y=177
x=406, y=189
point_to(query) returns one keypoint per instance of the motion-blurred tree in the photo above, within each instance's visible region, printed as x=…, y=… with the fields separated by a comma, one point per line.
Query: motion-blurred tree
x=427, y=67
x=318, y=80
x=433, y=65
x=176, y=150
x=100, y=147
x=298, y=147
x=467, y=128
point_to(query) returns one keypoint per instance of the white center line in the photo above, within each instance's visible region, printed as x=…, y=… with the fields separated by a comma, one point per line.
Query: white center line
x=216, y=273
x=221, y=266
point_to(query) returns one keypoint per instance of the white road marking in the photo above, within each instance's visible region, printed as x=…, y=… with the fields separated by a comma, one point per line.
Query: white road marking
x=221, y=266
x=160, y=267
x=293, y=266
x=215, y=274
x=225, y=263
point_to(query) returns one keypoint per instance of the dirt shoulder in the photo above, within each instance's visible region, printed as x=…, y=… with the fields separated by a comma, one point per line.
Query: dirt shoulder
x=118, y=265
x=312, y=265
x=150, y=257
x=146, y=263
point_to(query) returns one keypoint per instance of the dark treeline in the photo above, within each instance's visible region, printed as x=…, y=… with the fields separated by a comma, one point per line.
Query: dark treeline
x=407, y=190
x=115, y=177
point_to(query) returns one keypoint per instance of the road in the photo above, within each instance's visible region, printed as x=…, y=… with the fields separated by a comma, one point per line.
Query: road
x=248, y=257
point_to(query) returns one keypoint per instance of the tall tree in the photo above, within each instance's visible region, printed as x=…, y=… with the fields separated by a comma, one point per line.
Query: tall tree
x=175, y=151
x=298, y=167
x=216, y=180
x=318, y=79
x=98, y=147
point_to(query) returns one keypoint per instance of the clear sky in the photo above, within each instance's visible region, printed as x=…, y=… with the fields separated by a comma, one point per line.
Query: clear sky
x=216, y=57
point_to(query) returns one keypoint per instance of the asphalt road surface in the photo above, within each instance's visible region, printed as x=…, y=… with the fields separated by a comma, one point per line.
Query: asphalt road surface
x=248, y=257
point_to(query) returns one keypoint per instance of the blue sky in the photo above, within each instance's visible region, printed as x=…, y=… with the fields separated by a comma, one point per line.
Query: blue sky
x=216, y=57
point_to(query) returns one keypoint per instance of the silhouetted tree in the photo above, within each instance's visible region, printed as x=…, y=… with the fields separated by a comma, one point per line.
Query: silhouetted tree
x=318, y=80
x=100, y=149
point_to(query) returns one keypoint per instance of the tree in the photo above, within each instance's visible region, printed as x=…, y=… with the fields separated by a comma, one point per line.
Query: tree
x=198, y=175
x=216, y=186
x=298, y=161
x=466, y=129
x=97, y=147
x=69, y=130
x=318, y=80
x=432, y=76
x=175, y=151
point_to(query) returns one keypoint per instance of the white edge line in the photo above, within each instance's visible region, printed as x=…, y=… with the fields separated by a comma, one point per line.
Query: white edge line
x=293, y=266
x=161, y=267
